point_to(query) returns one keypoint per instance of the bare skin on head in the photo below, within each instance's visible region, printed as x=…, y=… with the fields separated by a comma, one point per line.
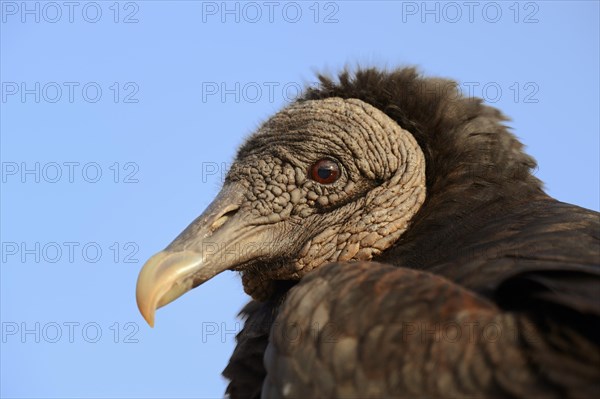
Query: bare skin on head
x=321, y=181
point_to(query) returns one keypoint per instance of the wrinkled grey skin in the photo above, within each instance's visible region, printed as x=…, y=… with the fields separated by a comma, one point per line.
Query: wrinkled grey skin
x=361, y=214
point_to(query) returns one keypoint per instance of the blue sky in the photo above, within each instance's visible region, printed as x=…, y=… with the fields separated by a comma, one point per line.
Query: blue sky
x=118, y=119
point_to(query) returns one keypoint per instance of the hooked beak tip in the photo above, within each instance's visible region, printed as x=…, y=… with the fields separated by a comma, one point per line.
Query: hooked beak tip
x=147, y=310
x=149, y=289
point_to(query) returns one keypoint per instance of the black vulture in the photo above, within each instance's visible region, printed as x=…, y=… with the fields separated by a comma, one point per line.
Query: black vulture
x=396, y=244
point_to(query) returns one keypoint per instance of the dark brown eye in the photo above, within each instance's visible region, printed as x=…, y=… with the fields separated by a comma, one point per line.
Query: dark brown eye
x=325, y=171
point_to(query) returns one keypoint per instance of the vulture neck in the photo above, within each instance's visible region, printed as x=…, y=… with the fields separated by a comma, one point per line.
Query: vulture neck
x=477, y=173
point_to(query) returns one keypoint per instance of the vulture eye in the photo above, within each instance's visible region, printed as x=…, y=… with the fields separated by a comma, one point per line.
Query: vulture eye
x=325, y=171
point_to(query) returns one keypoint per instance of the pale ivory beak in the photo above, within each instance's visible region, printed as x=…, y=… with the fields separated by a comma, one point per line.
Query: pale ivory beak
x=220, y=239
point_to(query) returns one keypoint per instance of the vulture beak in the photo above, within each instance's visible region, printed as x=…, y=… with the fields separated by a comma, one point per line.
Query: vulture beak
x=216, y=241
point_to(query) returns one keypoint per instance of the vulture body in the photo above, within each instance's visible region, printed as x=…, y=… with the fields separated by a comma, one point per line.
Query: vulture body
x=396, y=244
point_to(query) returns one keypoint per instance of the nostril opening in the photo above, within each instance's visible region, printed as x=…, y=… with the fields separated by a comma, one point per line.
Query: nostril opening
x=229, y=211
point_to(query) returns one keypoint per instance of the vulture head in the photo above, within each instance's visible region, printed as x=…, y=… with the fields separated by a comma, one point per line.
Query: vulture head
x=345, y=173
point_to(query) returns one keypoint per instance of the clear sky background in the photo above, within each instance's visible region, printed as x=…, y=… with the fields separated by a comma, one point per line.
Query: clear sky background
x=118, y=119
